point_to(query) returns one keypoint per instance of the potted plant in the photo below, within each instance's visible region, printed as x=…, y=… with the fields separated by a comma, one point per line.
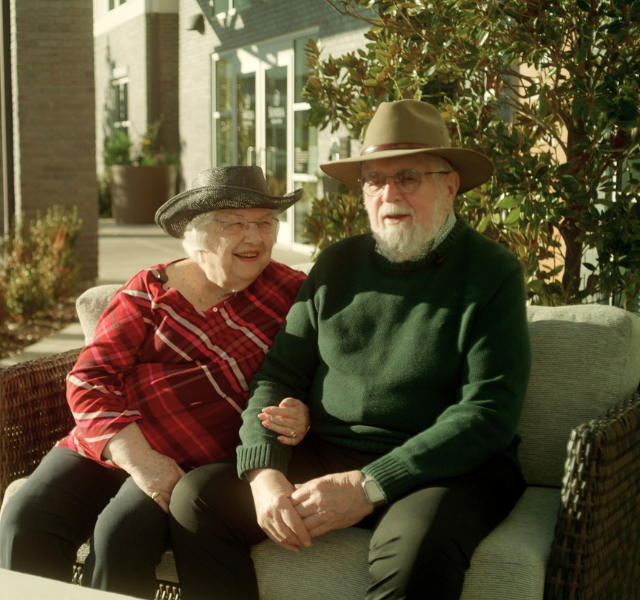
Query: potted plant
x=142, y=177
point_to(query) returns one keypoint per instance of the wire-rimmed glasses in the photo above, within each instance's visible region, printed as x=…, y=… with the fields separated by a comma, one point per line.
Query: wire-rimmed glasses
x=265, y=226
x=406, y=180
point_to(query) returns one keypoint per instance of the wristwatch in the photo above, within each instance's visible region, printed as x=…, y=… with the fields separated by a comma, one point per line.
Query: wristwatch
x=373, y=492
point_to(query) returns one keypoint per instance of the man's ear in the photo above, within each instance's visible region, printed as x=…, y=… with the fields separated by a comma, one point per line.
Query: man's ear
x=453, y=184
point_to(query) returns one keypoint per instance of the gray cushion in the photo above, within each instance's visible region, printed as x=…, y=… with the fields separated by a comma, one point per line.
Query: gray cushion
x=510, y=563
x=91, y=304
x=585, y=359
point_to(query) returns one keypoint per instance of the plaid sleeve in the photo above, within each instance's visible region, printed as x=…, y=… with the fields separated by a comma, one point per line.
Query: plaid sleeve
x=94, y=386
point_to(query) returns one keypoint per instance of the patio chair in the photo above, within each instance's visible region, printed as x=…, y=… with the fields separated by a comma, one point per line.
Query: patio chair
x=574, y=534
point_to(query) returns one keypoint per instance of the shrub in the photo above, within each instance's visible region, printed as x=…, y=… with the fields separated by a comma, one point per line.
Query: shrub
x=40, y=262
x=120, y=149
x=104, y=195
x=4, y=312
x=335, y=217
x=549, y=90
x=117, y=149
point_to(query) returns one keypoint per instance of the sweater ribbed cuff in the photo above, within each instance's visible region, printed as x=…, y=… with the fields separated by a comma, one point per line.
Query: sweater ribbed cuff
x=392, y=477
x=264, y=456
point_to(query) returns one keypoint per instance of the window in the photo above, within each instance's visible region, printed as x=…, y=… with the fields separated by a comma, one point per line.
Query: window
x=224, y=106
x=114, y=3
x=119, y=117
x=305, y=158
x=224, y=6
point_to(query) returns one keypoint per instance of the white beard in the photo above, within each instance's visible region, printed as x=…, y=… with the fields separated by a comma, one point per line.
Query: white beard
x=401, y=242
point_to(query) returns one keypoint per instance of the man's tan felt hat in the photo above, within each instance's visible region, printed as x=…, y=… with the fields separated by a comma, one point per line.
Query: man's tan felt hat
x=408, y=127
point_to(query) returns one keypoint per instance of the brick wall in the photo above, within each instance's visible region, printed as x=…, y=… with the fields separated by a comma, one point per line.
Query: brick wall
x=122, y=50
x=54, y=115
x=195, y=93
x=163, y=67
x=145, y=50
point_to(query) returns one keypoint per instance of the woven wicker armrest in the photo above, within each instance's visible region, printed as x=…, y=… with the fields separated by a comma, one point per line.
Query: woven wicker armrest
x=34, y=413
x=597, y=539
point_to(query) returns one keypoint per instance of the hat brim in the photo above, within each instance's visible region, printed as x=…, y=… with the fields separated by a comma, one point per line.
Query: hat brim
x=176, y=213
x=473, y=168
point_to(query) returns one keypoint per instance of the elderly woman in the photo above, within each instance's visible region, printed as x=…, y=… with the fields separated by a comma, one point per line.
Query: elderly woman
x=160, y=388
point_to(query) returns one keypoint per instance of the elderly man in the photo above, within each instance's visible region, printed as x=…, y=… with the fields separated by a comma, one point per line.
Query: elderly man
x=410, y=347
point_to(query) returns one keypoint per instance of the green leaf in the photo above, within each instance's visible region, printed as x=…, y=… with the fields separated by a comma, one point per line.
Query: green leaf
x=405, y=82
x=582, y=54
x=513, y=217
x=535, y=286
x=555, y=271
x=484, y=223
x=509, y=202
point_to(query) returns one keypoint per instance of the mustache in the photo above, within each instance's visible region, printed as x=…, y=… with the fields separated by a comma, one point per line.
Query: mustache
x=394, y=209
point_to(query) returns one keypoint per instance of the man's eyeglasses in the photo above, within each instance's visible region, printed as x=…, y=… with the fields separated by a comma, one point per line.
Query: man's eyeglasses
x=406, y=180
x=265, y=226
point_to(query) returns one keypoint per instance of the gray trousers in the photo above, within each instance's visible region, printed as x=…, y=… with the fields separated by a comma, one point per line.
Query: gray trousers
x=423, y=541
x=70, y=499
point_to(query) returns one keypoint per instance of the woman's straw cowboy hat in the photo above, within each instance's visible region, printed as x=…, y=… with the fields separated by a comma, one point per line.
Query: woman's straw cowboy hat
x=408, y=127
x=218, y=188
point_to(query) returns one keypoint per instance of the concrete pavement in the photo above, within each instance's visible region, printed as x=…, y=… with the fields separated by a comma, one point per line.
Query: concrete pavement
x=123, y=250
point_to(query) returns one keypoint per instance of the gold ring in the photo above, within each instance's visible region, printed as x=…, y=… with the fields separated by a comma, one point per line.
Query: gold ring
x=155, y=495
x=294, y=434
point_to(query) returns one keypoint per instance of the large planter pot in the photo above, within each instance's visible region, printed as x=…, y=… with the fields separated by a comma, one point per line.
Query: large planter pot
x=138, y=192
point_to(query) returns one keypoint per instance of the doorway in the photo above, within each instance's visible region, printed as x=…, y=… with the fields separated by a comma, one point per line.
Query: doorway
x=259, y=118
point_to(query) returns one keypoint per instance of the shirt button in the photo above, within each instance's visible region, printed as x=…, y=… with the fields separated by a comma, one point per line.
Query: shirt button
x=215, y=309
x=225, y=303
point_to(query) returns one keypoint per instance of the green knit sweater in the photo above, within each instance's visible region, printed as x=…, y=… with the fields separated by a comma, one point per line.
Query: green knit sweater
x=426, y=362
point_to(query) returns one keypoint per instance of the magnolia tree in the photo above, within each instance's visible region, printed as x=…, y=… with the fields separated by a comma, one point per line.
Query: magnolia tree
x=548, y=90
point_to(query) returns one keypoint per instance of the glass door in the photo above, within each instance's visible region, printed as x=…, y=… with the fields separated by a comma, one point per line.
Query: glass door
x=255, y=115
x=275, y=129
x=246, y=130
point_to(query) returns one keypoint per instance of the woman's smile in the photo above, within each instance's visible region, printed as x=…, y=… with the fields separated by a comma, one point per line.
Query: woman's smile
x=249, y=256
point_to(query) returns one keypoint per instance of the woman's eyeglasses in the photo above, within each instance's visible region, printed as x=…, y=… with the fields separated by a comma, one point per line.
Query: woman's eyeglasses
x=265, y=226
x=406, y=180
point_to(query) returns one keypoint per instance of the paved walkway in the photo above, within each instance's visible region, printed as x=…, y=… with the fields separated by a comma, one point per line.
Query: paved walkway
x=123, y=250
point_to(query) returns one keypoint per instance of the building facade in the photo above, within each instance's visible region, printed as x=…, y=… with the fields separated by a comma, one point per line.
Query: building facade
x=241, y=80
x=239, y=74
x=136, y=70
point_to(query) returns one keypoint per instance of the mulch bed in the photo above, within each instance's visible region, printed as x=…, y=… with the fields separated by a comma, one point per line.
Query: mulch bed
x=17, y=336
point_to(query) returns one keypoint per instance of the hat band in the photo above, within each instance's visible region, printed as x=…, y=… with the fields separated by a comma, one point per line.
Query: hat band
x=407, y=146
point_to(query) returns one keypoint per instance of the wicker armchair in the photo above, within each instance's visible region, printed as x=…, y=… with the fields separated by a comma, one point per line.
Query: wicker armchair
x=574, y=534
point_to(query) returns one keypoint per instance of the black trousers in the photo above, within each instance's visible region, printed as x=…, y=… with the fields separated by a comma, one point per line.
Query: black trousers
x=70, y=499
x=423, y=541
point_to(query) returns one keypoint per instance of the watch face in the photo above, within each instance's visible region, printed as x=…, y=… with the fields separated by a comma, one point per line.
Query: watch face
x=373, y=492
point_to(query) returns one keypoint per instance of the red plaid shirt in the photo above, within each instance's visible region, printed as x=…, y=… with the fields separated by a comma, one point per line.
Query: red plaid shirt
x=182, y=374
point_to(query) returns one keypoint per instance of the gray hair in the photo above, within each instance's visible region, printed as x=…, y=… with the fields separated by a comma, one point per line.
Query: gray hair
x=440, y=162
x=195, y=236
